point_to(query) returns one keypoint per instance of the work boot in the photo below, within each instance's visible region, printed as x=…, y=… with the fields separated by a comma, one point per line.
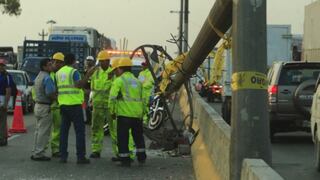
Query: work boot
x=83, y=161
x=95, y=155
x=56, y=155
x=41, y=158
x=115, y=159
x=4, y=143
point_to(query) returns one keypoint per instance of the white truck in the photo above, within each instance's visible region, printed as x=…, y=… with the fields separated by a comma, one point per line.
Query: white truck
x=279, y=48
x=95, y=40
x=311, y=36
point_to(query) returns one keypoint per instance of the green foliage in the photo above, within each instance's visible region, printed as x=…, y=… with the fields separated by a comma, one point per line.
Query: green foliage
x=11, y=7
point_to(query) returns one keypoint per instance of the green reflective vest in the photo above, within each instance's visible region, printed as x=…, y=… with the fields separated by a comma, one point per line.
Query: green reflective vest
x=68, y=94
x=147, y=81
x=126, y=96
x=100, y=86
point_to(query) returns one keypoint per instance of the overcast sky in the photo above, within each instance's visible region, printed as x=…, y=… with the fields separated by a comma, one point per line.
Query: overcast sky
x=141, y=21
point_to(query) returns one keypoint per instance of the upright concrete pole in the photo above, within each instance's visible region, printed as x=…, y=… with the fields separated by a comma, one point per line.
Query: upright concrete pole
x=185, y=25
x=250, y=123
x=181, y=28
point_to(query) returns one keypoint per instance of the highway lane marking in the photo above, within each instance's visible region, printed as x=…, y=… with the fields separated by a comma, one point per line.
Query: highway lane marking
x=13, y=137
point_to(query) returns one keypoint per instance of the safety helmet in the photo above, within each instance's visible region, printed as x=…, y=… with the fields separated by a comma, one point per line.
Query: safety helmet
x=58, y=56
x=90, y=58
x=3, y=62
x=125, y=62
x=103, y=55
x=115, y=63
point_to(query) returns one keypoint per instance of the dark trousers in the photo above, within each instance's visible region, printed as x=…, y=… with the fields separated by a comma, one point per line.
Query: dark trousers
x=3, y=125
x=123, y=126
x=72, y=114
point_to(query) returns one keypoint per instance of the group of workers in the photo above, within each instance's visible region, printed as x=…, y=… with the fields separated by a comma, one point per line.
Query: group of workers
x=118, y=97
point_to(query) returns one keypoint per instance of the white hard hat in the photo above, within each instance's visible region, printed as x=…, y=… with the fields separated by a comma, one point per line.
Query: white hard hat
x=90, y=58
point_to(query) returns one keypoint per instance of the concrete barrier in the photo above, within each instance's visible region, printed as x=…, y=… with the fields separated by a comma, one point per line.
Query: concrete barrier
x=257, y=169
x=211, y=150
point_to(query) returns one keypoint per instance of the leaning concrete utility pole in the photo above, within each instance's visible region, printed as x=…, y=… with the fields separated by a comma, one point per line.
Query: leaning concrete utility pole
x=250, y=123
x=218, y=20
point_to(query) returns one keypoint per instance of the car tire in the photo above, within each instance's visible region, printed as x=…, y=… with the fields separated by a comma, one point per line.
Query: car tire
x=317, y=151
x=302, y=104
x=155, y=123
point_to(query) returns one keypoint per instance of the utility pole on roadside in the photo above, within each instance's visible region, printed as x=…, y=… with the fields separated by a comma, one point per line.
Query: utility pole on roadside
x=181, y=28
x=250, y=122
x=185, y=27
x=42, y=34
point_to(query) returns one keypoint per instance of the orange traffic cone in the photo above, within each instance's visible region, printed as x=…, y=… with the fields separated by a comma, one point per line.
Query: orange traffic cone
x=17, y=123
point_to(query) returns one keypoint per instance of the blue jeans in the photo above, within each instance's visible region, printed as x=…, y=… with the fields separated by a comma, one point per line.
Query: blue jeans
x=72, y=113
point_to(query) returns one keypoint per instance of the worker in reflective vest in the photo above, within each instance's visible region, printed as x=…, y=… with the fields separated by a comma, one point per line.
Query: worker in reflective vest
x=58, y=62
x=126, y=102
x=113, y=122
x=70, y=99
x=100, y=87
x=147, y=81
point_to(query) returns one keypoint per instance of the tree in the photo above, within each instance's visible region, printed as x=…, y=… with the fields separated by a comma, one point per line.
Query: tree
x=11, y=7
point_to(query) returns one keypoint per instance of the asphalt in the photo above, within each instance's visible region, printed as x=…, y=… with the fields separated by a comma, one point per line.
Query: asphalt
x=16, y=163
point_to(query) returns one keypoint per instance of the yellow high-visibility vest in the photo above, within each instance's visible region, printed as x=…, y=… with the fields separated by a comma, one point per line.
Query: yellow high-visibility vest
x=68, y=94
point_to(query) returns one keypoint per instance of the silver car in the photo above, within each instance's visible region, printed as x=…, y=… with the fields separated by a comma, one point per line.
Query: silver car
x=291, y=86
x=24, y=85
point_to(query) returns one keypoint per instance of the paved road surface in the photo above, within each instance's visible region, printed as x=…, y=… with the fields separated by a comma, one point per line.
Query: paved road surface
x=292, y=154
x=16, y=163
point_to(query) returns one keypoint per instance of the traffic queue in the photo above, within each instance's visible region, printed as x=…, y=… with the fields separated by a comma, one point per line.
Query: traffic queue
x=118, y=98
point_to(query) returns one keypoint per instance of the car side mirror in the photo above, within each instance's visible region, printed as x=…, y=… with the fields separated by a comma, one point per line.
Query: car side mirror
x=30, y=83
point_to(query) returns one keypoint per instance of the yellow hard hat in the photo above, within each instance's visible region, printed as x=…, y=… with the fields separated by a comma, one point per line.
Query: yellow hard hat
x=115, y=63
x=103, y=55
x=58, y=56
x=125, y=62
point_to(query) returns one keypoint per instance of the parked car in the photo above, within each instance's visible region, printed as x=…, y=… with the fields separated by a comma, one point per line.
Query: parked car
x=214, y=92
x=315, y=124
x=290, y=92
x=24, y=85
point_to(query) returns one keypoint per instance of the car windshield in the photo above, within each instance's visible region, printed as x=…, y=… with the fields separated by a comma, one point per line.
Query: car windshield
x=297, y=75
x=18, y=78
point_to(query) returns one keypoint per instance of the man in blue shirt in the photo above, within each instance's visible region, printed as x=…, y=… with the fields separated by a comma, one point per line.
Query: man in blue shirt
x=45, y=93
x=5, y=92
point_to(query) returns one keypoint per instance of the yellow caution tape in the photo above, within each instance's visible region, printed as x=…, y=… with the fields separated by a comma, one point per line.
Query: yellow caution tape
x=248, y=80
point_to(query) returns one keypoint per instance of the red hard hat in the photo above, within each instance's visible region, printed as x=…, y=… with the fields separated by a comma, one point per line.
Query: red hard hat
x=3, y=61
